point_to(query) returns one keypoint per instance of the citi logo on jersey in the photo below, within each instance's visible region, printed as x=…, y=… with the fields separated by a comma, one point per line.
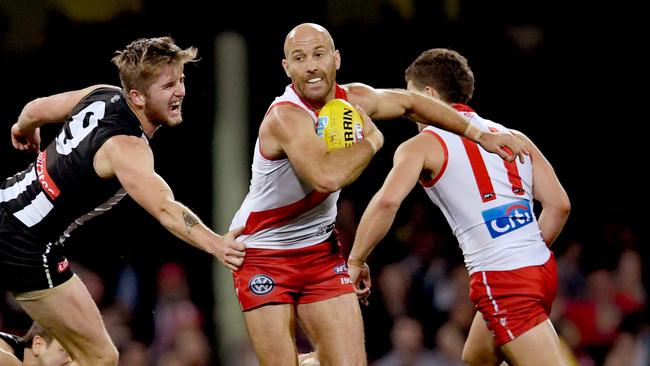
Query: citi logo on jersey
x=503, y=219
x=261, y=284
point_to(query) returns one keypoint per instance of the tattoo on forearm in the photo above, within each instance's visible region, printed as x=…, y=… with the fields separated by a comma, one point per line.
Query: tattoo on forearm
x=190, y=221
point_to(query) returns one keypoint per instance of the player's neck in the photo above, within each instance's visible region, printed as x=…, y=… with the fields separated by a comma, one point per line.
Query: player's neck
x=147, y=126
x=28, y=358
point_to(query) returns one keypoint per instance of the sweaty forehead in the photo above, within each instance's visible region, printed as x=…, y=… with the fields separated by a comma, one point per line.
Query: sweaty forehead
x=306, y=39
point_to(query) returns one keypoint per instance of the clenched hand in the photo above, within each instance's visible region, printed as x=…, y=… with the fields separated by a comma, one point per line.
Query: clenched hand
x=230, y=252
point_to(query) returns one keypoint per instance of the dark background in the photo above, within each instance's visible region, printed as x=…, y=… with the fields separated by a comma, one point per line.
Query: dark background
x=571, y=76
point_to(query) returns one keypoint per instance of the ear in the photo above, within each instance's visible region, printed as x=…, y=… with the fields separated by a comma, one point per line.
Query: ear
x=285, y=66
x=337, y=59
x=38, y=345
x=428, y=90
x=137, y=98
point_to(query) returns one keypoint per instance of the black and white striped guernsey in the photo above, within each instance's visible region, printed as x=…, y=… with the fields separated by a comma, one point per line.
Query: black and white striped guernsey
x=16, y=343
x=60, y=190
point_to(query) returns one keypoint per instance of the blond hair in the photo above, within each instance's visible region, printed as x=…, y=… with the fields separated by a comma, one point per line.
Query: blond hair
x=140, y=62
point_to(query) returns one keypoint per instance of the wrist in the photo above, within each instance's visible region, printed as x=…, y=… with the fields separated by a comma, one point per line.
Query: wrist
x=23, y=127
x=373, y=145
x=473, y=133
x=477, y=136
x=354, y=262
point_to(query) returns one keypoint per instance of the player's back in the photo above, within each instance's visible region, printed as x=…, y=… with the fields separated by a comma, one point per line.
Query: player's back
x=487, y=201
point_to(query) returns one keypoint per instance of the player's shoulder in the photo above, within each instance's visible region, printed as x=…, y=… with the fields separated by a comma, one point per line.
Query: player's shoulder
x=286, y=115
x=9, y=342
x=128, y=140
x=100, y=91
x=125, y=145
x=358, y=89
x=418, y=144
x=108, y=95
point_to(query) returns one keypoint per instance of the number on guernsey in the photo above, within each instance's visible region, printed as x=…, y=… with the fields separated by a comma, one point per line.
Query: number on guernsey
x=79, y=127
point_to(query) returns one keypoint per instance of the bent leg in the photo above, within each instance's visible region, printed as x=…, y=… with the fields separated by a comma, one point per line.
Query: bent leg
x=480, y=349
x=540, y=346
x=336, y=326
x=70, y=314
x=271, y=329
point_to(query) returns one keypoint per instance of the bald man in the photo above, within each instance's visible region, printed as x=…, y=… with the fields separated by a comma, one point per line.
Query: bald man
x=293, y=268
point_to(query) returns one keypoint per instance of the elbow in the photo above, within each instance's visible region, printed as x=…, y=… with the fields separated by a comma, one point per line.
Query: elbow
x=565, y=207
x=327, y=186
x=326, y=183
x=562, y=207
x=164, y=218
x=163, y=213
x=388, y=204
x=30, y=109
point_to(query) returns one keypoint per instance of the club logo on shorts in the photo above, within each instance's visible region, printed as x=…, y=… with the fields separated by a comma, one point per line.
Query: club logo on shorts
x=503, y=219
x=341, y=268
x=261, y=284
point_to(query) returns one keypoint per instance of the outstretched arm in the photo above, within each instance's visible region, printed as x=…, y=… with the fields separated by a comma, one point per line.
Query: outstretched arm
x=394, y=103
x=25, y=134
x=549, y=192
x=130, y=159
x=409, y=161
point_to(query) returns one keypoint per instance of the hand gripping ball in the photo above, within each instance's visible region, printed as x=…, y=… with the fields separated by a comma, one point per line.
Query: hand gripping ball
x=339, y=124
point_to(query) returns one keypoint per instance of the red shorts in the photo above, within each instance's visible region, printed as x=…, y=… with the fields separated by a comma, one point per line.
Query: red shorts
x=294, y=276
x=513, y=302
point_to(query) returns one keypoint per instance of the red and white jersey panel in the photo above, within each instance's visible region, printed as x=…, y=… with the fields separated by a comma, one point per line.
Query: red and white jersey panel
x=487, y=202
x=280, y=211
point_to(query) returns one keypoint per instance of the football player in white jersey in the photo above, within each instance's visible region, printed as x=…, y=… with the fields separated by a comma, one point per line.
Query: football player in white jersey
x=488, y=204
x=293, y=269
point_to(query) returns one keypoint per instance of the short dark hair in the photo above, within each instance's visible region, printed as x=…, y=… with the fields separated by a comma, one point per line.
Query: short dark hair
x=36, y=330
x=445, y=70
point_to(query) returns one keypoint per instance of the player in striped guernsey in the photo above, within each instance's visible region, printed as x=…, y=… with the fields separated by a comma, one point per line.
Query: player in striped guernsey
x=489, y=206
x=36, y=348
x=294, y=269
x=100, y=155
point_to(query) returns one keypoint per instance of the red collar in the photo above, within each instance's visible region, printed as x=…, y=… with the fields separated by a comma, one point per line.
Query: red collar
x=339, y=93
x=462, y=107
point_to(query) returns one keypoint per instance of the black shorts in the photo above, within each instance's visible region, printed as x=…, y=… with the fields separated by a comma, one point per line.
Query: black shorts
x=27, y=262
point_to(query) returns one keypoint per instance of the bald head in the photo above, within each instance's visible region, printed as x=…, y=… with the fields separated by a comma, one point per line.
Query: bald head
x=306, y=32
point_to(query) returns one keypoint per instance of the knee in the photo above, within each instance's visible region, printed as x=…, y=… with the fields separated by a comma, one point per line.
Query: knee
x=347, y=361
x=468, y=358
x=476, y=359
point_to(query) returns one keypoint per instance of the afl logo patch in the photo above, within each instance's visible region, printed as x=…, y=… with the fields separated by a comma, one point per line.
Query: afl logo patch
x=261, y=284
x=341, y=268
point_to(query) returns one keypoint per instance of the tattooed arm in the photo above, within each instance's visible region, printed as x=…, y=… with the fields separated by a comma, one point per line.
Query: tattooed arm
x=130, y=160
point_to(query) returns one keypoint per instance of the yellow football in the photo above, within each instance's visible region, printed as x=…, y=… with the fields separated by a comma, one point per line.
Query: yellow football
x=339, y=124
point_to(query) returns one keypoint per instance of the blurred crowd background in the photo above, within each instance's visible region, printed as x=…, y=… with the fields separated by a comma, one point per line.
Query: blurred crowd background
x=570, y=76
